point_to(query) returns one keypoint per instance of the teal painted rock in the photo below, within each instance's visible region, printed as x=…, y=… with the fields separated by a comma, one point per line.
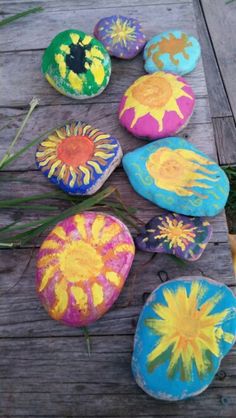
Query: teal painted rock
x=176, y=176
x=172, y=51
x=185, y=329
x=76, y=64
x=179, y=235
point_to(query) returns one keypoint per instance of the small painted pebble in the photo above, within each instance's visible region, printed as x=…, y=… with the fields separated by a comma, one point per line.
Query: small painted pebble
x=172, y=51
x=175, y=175
x=76, y=64
x=78, y=158
x=182, y=236
x=185, y=329
x=122, y=36
x=82, y=266
x=156, y=106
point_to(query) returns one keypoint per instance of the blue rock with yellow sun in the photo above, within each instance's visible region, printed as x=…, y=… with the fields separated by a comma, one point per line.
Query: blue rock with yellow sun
x=185, y=329
x=175, y=175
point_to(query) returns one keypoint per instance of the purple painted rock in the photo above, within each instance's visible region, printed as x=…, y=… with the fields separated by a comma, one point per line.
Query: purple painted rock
x=82, y=266
x=122, y=36
x=175, y=234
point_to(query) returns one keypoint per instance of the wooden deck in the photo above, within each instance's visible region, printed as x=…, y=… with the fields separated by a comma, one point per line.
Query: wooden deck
x=44, y=367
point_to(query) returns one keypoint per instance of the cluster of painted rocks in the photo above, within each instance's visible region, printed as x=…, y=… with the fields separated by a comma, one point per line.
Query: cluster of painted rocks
x=187, y=325
x=185, y=329
x=82, y=266
x=78, y=158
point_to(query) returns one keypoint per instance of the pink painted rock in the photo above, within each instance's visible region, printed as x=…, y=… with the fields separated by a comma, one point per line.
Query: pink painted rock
x=156, y=106
x=82, y=266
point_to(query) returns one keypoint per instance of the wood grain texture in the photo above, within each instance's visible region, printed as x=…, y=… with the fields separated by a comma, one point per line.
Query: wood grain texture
x=44, y=367
x=225, y=137
x=221, y=23
x=218, y=99
x=54, y=20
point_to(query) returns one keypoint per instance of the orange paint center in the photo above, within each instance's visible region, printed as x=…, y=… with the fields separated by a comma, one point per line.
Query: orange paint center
x=153, y=92
x=75, y=150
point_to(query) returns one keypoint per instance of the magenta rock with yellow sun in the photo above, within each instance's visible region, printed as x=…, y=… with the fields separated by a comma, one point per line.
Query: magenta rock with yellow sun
x=156, y=106
x=78, y=158
x=185, y=329
x=82, y=266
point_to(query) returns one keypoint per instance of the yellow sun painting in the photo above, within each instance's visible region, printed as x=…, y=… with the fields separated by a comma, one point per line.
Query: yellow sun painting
x=189, y=332
x=154, y=95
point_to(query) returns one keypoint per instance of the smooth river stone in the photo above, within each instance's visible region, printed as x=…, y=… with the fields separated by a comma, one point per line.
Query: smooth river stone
x=177, y=176
x=76, y=64
x=78, y=158
x=122, y=36
x=156, y=105
x=82, y=266
x=179, y=235
x=172, y=51
x=185, y=329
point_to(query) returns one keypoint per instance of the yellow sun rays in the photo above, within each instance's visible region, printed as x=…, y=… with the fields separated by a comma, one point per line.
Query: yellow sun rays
x=155, y=94
x=176, y=233
x=81, y=268
x=104, y=148
x=187, y=330
x=122, y=32
x=180, y=170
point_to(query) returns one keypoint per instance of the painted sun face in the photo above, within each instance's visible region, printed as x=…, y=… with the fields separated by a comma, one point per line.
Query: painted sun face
x=76, y=64
x=189, y=333
x=153, y=96
x=82, y=266
x=78, y=158
x=180, y=170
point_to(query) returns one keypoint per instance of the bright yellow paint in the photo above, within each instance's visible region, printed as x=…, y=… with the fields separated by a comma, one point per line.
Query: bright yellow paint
x=97, y=228
x=97, y=293
x=46, y=277
x=79, y=261
x=180, y=170
x=109, y=233
x=76, y=82
x=81, y=297
x=120, y=248
x=86, y=174
x=65, y=48
x=176, y=233
x=113, y=277
x=53, y=168
x=155, y=94
x=121, y=32
x=61, y=300
x=50, y=244
x=80, y=224
x=96, y=166
x=188, y=327
x=74, y=38
x=60, y=232
x=97, y=69
x=59, y=58
x=103, y=155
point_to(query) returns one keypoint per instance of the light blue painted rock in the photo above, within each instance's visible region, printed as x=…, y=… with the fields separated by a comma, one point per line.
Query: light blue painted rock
x=176, y=176
x=185, y=329
x=172, y=51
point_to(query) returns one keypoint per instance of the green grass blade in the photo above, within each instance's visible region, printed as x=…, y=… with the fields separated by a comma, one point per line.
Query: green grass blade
x=20, y=15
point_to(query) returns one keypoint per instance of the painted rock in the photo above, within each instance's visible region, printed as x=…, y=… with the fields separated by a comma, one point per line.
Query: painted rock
x=76, y=64
x=176, y=176
x=122, y=36
x=172, y=51
x=185, y=329
x=78, y=158
x=156, y=106
x=82, y=266
x=175, y=234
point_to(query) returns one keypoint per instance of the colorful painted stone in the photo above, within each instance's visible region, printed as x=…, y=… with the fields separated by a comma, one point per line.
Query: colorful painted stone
x=78, y=158
x=76, y=64
x=175, y=234
x=156, y=106
x=122, y=36
x=176, y=176
x=82, y=266
x=172, y=51
x=185, y=329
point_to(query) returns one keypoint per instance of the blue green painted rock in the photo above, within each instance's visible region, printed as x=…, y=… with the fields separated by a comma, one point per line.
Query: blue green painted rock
x=172, y=51
x=185, y=329
x=182, y=236
x=76, y=64
x=176, y=176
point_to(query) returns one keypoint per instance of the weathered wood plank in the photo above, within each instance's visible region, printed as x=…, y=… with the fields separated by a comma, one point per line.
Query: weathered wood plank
x=225, y=137
x=220, y=19
x=18, y=91
x=219, y=103
x=53, y=19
